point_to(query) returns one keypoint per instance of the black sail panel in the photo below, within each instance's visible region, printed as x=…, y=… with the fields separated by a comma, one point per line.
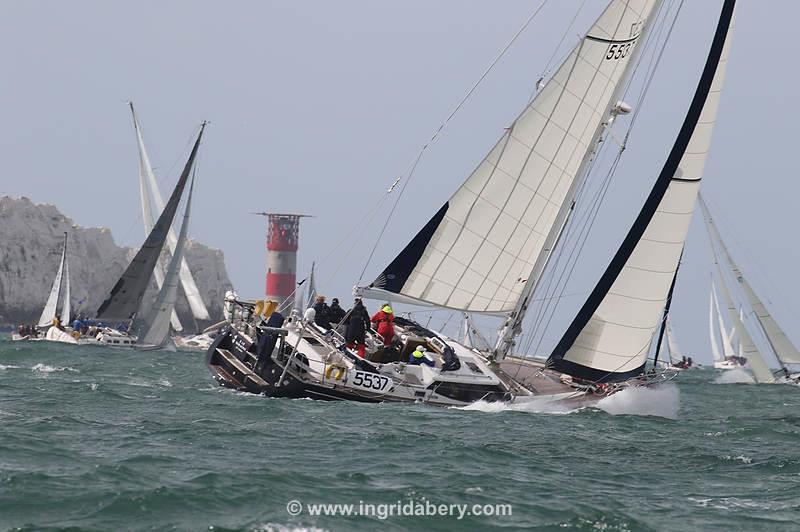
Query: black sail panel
x=126, y=295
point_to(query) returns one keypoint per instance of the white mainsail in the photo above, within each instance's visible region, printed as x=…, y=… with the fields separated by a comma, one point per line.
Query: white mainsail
x=784, y=349
x=716, y=354
x=148, y=186
x=57, y=292
x=610, y=337
x=478, y=252
x=155, y=330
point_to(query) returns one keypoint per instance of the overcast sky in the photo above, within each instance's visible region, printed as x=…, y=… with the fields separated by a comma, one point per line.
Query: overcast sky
x=317, y=106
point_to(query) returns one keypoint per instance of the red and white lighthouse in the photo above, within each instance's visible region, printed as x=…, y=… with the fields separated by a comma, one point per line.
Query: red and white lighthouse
x=283, y=231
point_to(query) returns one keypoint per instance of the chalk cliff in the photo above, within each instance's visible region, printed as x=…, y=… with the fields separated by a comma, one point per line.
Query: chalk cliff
x=30, y=248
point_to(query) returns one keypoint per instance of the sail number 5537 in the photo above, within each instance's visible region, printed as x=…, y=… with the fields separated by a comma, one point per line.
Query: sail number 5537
x=618, y=51
x=369, y=381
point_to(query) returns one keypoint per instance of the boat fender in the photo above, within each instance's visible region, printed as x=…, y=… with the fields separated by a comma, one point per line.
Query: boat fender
x=341, y=371
x=76, y=334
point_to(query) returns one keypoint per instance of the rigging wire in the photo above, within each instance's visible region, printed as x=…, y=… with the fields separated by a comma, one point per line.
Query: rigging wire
x=456, y=109
x=599, y=197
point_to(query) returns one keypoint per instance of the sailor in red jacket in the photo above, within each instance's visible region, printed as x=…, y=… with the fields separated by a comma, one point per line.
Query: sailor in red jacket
x=383, y=324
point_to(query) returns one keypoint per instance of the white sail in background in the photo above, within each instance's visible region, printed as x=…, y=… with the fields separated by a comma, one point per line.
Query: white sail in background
x=675, y=354
x=713, y=312
x=783, y=347
x=51, y=306
x=146, y=179
x=156, y=327
x=477, y=253
x=148, y=187
x=747, y=347
x=610, y=337
x=726, y=337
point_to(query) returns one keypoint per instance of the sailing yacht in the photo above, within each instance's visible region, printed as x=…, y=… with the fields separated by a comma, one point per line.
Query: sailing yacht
x=51, y=321
x=152, y=201
x=762, y=322
x=149, y=327
x=485, y=250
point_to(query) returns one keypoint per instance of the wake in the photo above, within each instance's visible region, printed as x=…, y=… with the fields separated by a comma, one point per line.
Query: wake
x=659, y=401
x=735, y=376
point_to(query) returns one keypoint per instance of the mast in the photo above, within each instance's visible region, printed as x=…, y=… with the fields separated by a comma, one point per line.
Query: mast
x=663, y=328
x=512, y=327
x=478, y=252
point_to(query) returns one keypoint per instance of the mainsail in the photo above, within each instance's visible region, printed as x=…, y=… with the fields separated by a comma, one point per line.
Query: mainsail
x=58, y=292
x=490, y=241
x=784, y=349
x=124, y=299
x=155, y=329
x=610, y=337
x=148, y=187
x=717, y=329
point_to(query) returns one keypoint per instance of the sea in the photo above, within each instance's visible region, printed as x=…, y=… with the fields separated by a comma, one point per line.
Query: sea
x=93, y=438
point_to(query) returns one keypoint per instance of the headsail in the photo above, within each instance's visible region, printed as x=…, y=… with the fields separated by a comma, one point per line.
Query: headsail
x=675, y=353
x=610, y=337
x=149, y=186
x=147, y=180
x=479, y=250
x=783, y=347
x=155, y=329
x=124, y=299
x=57, y=292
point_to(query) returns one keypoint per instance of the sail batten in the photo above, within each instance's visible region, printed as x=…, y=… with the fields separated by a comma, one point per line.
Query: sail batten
x=477, y=253
x=608, y=339
x=126, y=295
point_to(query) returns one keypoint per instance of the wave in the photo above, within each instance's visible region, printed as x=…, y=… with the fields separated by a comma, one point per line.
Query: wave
x=735, y=376
x=44, y=368
x=660, y=401
x=536, y=405
x=10, y=366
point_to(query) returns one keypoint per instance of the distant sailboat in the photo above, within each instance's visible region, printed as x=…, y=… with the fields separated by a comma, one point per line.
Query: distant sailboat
x=782, y=347
x=726, y=357
x=123, y=303
x=59, y=298
x=151, y=196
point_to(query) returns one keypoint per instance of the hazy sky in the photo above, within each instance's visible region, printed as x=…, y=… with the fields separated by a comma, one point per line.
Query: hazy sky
x=317, y=106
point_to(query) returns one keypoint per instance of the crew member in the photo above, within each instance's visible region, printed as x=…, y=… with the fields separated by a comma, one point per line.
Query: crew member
x=323, y=313
x=383, y=320
x=336, y=312
x=357, y=322
x=418, y=357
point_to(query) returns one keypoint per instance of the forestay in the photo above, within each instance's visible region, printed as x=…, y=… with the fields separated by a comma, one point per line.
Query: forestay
x=477, y=253
x=610, y=337
x=124, y=299
x=149, y=186
x=783, y=347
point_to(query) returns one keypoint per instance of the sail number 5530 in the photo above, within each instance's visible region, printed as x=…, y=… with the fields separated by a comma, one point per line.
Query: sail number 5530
x=618, y=51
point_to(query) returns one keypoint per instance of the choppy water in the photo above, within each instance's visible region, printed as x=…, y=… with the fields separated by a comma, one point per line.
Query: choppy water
x=99, y=439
